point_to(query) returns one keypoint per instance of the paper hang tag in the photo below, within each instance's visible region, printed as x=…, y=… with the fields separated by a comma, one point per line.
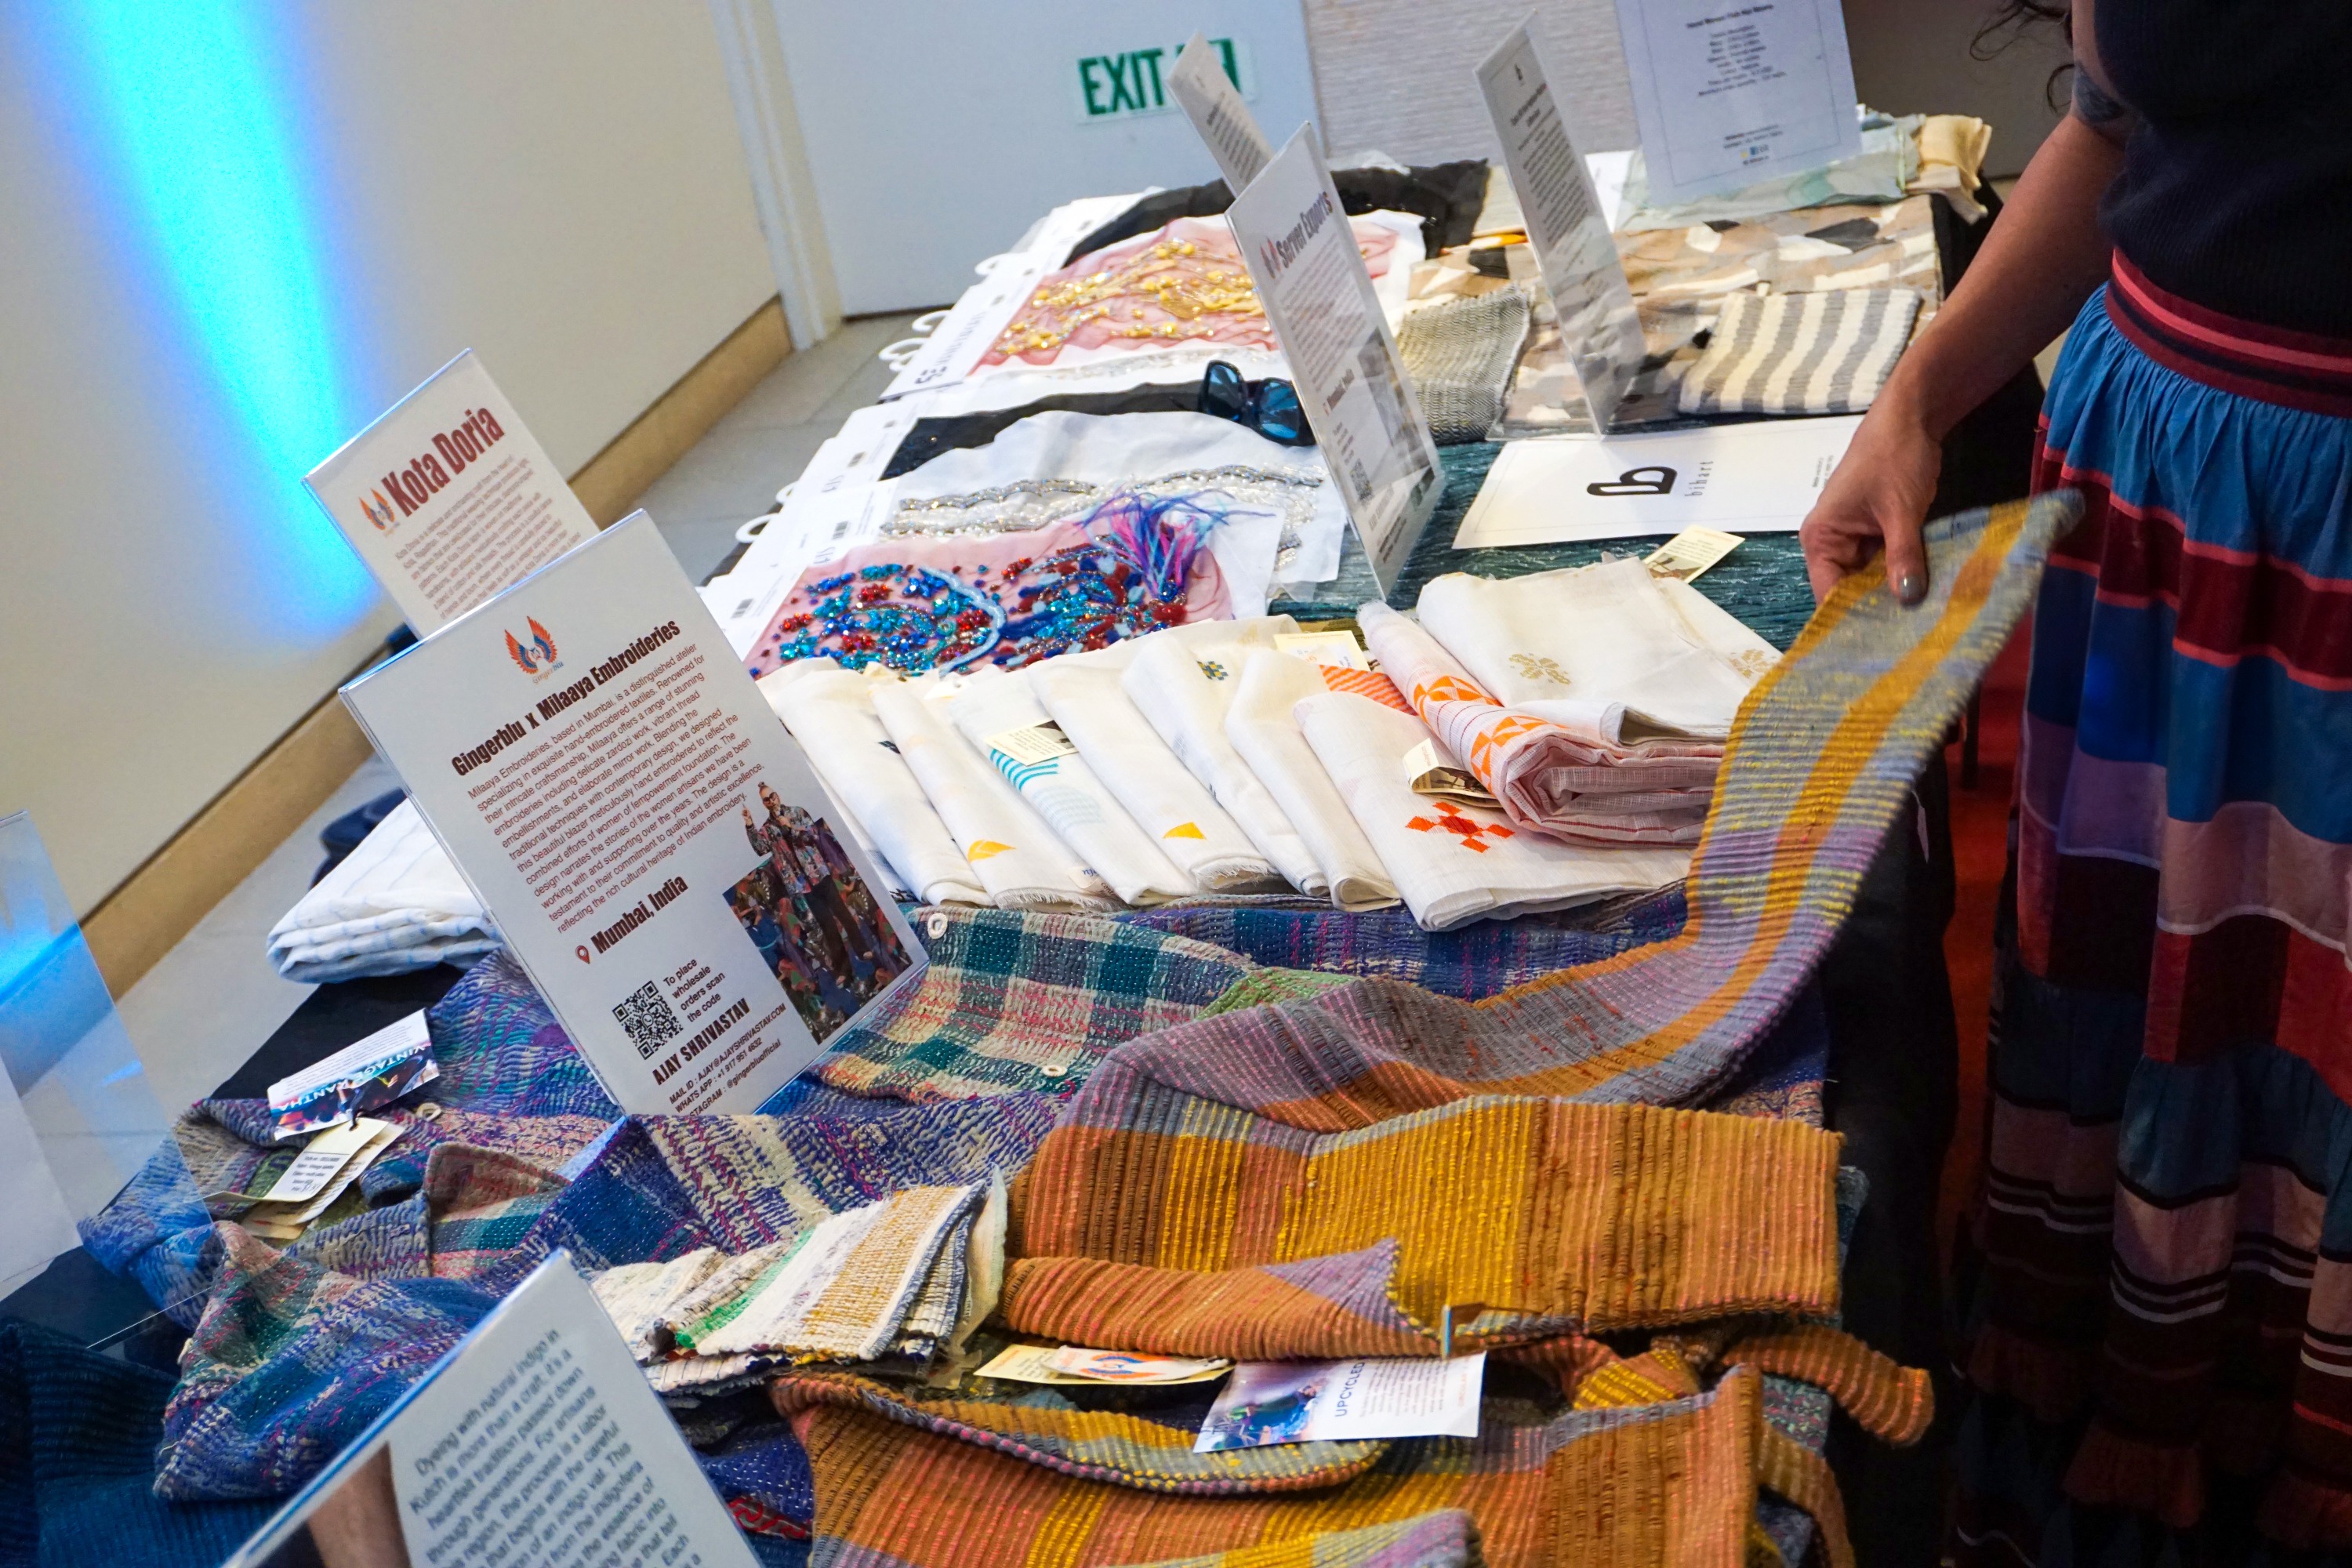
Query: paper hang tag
x=1337, y=648
x=362, y=1077
x=1034, y=743
x=1035, y=1363
x=1430, y=771
x=321, y=1160
x=1690, y=552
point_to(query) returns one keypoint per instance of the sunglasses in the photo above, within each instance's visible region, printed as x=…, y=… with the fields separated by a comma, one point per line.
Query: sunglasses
x=1270, y=407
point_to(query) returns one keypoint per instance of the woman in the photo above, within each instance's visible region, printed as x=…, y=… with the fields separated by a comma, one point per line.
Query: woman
x=2166, y=1221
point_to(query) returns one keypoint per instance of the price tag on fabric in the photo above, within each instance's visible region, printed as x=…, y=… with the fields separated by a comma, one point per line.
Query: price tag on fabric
x=1071, y=1365
x=1566, y=223
x=1034, y=743
x=1690, y=552
x=651, y=843
x=362, y=1076
x=448, y=499
x=1270, y=1402
x=1214, y=106
x=322, y=1159
x=1339, y=649
x=1319, y=295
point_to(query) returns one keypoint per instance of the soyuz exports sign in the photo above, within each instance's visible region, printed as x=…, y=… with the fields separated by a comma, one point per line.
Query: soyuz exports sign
x=1130, y=85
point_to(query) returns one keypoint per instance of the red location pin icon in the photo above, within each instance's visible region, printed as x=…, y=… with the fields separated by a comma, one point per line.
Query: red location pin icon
x=582, y=952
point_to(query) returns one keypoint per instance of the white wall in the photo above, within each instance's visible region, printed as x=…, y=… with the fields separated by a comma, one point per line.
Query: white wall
x=559, y=185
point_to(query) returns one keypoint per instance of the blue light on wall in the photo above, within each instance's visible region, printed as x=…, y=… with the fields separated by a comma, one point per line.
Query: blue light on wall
x=179, y=100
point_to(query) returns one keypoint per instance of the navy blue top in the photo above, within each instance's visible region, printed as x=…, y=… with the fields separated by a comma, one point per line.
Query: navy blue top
x=2236, y=190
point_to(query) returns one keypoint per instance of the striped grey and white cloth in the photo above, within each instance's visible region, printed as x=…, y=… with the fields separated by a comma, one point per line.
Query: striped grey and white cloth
x=1822, y=352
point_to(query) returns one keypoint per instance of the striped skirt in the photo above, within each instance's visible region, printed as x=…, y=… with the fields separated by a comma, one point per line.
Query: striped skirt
x=2162, y=1323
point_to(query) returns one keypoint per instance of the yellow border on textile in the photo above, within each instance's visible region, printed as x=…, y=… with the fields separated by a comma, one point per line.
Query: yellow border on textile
x=1859, y=733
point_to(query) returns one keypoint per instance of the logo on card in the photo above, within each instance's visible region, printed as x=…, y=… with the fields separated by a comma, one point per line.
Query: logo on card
x=378, y=509
x=1655, y=482
x=537, y=657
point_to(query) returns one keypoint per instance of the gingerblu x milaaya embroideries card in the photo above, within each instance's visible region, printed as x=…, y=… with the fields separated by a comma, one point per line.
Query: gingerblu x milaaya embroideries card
x=649, y=840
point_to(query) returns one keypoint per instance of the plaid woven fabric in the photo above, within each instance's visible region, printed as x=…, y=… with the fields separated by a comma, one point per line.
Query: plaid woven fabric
x=1471, y=961
x=1818, y=770
x=1015, y=1004
x=909, y=1481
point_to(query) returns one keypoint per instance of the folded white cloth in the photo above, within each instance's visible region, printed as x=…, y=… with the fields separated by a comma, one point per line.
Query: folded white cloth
x=1018, y=859
x=1175, y=809
x=1562, y=771
x=396, y=903
x=1454, y=864
x=1183, y=686
x=1610, y=635
x=1261, y=727
x=1065, y=792
x=830, y=711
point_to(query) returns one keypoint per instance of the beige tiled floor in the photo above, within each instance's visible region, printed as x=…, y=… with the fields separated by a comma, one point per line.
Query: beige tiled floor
x=200, y=1013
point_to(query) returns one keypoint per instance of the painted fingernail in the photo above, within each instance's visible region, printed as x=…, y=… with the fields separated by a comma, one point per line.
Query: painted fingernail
x=1911, y=587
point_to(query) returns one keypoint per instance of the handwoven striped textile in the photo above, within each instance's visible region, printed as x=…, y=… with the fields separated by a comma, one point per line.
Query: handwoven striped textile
x=903, y=1481
x=1522, y=1216
x=1016, y=1003
x=1825, y=350
x=1818, y=768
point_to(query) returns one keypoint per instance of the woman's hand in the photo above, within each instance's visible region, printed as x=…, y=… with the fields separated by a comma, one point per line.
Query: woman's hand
x=1876, y=500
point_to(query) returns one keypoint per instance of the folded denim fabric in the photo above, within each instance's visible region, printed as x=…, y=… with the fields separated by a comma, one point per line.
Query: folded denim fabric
x=830, y=711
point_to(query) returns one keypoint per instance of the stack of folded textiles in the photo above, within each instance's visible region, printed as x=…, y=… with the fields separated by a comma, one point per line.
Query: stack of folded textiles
x=1217, y=759
x=1187, y=1152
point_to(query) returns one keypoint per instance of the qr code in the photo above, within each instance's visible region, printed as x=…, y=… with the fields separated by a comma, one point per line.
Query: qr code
x=648, y=1019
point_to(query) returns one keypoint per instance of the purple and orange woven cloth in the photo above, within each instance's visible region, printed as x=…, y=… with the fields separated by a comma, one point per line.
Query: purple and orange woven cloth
x=1209, y=1135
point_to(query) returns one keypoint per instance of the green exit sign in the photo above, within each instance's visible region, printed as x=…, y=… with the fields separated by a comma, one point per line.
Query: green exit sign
x=1124, y=86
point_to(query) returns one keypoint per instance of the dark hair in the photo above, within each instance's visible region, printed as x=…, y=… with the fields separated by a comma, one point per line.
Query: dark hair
x=2009, y=21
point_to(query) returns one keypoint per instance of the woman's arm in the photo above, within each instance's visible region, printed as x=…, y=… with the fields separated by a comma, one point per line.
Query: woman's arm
x=2042, y=261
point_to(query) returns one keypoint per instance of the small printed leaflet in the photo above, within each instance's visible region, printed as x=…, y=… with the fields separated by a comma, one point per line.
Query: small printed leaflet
x=1730, y=92
x=362, y=1077
x=1567, y=225
x=1076, y=1364
x=536, y=1440
x=448, y=499
x=1690, y=552
x=1319, y=295
x=1270, y=1402
x=651, y=842
x=1760, y=478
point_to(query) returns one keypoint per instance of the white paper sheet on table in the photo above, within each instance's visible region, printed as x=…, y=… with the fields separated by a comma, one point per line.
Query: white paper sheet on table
x=1760, y=478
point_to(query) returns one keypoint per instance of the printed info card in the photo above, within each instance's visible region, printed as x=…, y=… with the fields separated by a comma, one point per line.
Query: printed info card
x=648, y=837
